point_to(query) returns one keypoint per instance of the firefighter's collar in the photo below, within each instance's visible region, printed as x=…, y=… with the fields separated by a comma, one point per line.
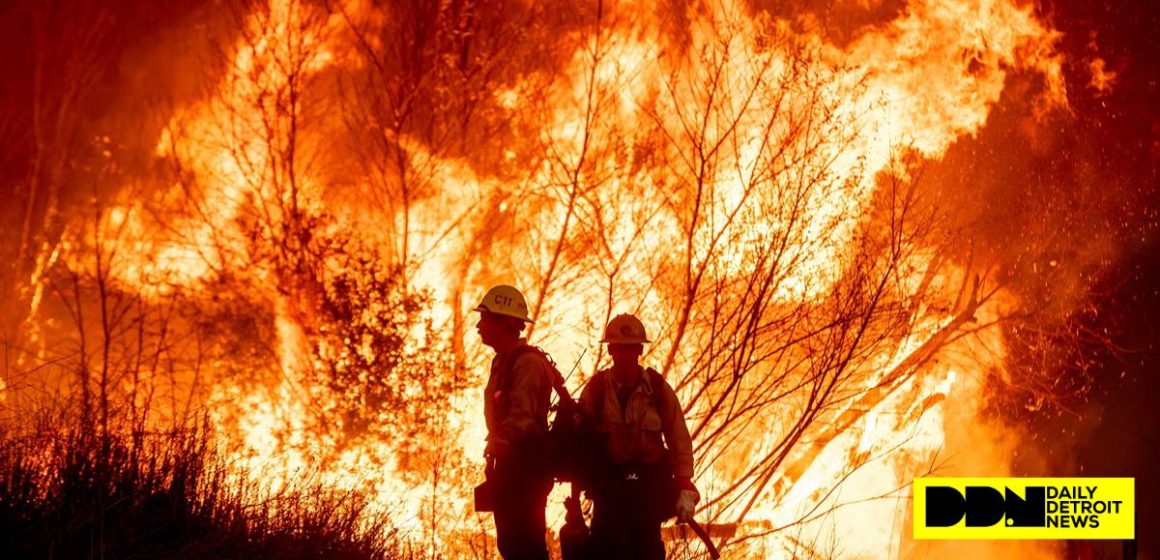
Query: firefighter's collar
x=643, y=381
x=519, y=344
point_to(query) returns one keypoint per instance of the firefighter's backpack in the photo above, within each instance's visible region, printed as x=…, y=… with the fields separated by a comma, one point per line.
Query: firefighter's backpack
x=572, y=445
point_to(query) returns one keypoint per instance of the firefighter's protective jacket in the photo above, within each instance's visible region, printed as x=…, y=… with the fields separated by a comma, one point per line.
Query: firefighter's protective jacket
x=517, y=397
x=635, y=436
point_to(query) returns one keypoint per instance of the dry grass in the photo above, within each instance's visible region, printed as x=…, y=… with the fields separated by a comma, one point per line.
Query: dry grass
x=66, y=493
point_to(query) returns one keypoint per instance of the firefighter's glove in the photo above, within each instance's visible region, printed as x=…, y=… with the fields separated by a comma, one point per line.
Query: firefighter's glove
x=686, y=504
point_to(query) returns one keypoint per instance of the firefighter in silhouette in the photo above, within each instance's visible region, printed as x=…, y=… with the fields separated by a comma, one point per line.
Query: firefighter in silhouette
x=647, y=467
x=515, y=407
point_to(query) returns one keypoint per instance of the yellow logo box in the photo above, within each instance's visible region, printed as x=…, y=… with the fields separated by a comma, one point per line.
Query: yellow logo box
x=1024, y=508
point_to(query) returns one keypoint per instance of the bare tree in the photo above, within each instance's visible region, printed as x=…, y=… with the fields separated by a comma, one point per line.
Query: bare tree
x=791, y=280
x=44, y=124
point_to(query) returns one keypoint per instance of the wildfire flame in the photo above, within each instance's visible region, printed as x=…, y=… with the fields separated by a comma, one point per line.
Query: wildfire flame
x=668, y=161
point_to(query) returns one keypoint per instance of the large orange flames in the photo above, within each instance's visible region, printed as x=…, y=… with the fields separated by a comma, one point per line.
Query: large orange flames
x=743, y=180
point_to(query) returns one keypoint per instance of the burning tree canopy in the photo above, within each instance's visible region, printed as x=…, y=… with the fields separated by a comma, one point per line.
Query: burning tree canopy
x=278, y=214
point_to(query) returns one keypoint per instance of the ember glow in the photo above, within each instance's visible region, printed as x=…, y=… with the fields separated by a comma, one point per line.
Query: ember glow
x=313, y=225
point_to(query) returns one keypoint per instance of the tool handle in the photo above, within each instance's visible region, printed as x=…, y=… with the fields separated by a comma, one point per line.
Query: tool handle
x=704, y=536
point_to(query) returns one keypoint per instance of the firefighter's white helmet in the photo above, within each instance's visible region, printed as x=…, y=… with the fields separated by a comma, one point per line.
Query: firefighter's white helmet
x=625, y=329
x=505, y=300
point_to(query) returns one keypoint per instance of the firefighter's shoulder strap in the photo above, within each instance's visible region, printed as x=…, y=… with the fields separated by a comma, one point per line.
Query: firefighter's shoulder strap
x=509, y=365
x=655, y=380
